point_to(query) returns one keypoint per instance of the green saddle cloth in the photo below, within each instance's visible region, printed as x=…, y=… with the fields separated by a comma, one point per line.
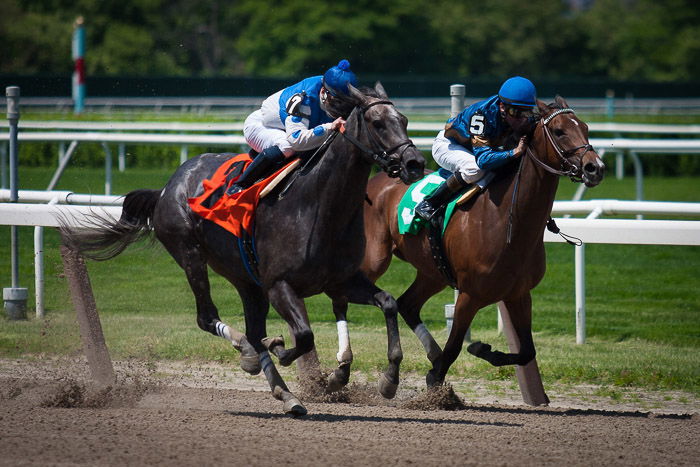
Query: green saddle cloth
x=408, y=221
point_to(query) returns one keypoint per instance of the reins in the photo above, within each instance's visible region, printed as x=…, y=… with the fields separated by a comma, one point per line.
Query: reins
x=381, y=157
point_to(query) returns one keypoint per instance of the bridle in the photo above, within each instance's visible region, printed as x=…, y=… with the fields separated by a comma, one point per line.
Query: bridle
x=568, y=169
x=391, y=164
x=387, y=159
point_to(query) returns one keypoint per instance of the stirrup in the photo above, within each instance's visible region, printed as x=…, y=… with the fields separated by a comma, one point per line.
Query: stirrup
x=425, y=210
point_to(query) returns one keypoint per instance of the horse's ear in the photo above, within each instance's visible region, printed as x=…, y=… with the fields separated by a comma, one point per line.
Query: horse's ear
x=561, y=102
x=356, y=93
x=380, y=90
x=542, y=106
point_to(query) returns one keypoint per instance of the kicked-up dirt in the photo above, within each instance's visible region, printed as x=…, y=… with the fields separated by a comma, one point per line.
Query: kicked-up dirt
x=187, y=414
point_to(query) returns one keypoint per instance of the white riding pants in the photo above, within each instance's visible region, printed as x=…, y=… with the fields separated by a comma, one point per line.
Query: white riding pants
x=456, y=158
x=260, y=137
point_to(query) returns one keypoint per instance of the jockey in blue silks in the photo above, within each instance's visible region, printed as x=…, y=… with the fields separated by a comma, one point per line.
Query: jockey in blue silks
x=297, y=118
x=472, y=143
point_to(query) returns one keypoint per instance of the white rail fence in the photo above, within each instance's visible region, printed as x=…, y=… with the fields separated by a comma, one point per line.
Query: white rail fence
x=631, y=147
x=589, y=229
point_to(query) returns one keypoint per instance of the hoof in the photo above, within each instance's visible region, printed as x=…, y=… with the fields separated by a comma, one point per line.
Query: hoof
x=271, y=342
x=386, y=388
x=431, y=380
x=479, y=349
x=250, y=364
x=335, y=383
x=293, y=407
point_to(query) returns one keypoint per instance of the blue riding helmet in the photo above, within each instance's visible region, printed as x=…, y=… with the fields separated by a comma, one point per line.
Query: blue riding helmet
x=336, y=79
x=518, y=91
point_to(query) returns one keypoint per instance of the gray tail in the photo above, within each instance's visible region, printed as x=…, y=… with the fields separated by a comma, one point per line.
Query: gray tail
x=100, y=238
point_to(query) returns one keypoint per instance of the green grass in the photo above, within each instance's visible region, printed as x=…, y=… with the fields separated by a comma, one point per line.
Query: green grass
x=643, y=327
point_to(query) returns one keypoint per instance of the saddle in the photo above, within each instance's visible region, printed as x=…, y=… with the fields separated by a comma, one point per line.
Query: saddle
x=409, y=223
x=234, y=212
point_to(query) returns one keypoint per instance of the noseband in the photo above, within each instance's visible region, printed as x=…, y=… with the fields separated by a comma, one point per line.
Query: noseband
x=387, y=159
x=568, y=169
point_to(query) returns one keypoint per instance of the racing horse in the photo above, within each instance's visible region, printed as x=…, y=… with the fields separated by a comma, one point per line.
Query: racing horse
x=494, y=241
x=309, y=239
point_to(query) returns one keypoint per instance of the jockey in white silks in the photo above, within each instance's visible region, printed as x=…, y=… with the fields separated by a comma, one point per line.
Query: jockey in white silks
x=297, y=118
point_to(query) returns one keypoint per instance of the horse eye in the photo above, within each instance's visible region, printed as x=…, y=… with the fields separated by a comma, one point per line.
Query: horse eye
x=558, y=132
x=378, y=124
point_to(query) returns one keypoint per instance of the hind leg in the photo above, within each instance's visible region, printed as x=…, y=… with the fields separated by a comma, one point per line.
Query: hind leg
x=410, y=304
x=195, y=267
x=290, y=307
x=256, y=306
x=359, y=289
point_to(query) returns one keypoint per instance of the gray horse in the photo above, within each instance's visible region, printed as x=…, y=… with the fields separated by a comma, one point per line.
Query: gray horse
x=309, y=241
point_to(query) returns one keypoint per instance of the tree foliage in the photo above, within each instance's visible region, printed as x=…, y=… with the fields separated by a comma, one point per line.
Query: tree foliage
x=615, y=39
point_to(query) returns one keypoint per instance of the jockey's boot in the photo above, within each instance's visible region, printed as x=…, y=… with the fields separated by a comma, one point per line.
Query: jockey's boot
x=263, y=164
x=438, y=199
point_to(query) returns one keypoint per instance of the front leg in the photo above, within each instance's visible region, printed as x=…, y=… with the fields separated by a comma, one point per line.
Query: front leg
x=465, y=310
x=341, y=375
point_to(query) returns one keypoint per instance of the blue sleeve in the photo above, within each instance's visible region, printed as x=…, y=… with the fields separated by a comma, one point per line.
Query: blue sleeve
x=488, y=159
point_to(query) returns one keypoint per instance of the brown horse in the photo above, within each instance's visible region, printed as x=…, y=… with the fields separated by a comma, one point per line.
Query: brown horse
x=494, y=241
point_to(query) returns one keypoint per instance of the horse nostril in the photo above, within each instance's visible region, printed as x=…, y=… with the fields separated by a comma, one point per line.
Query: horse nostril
x=414, y=167
x=591, y=168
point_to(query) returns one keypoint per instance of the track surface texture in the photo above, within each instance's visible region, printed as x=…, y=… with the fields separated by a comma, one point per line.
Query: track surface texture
x=188, y=414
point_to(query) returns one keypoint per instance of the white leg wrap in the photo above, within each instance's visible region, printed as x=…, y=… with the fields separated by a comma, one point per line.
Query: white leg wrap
x=424, y=336
x=343, y=339
x=222, y=330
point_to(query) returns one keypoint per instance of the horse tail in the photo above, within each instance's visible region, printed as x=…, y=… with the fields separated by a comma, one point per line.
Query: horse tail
x=101, y=238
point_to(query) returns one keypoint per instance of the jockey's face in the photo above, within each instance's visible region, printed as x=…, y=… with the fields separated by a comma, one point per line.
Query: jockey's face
x=515, y=117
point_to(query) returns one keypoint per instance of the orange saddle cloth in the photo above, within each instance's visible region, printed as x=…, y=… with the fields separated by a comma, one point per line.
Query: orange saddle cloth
x=234, y=212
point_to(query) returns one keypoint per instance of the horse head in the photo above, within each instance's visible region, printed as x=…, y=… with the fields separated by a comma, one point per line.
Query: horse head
x=381, y=134
x=563, y=142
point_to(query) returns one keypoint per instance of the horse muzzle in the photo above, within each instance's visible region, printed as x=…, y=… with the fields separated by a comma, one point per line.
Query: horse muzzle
x=593, y=170
x=412, y=166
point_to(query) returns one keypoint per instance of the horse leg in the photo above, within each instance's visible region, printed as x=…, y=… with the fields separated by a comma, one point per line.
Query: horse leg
x=410, y=304
x=465, y=310
x=341, y=375
x=195, y=267
x=359, y=289
x=520, y=312
x=290, y=307
x=256, y=306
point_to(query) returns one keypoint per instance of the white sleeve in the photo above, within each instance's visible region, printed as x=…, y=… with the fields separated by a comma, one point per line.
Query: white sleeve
x=303, y=138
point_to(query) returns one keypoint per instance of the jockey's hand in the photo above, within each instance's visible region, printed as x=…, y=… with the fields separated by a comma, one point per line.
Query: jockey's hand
x=337, y=124
x=521, y=147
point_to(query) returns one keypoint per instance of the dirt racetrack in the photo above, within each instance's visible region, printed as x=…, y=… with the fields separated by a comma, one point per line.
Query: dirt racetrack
x=169, y=414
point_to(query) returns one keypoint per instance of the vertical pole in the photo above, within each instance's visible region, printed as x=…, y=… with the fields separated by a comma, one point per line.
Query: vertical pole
x=457, y=92
x=580, y=280
x=108, y=169
x=610, y=103
x=15, y=297
x=3, y=165
x=529, y=378
x=183, y=154
x=122, y=157
x=79, y=65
